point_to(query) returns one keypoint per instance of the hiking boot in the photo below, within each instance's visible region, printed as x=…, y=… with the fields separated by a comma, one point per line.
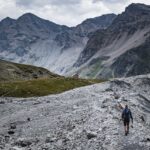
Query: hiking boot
x=127, y=132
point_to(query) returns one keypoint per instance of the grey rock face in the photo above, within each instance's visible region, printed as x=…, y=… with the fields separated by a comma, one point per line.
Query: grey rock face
x=102, y=47
x=133, y=62
x=84, y=118
x=33, y=40
x=125, y=44
x=93, y=24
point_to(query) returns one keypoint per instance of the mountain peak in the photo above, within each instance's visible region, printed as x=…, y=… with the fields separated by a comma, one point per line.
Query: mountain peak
x=99, y=18
x=138, y=7
x=134, y=13
x=28, y=17
x=7, y=21
x=92, y=24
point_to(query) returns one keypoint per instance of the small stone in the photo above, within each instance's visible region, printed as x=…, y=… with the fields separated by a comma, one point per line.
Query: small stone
x=12, y=126
x=142, y=118
x=28, y=119
x=91, y=135
x=116, y=96
x=65, y=140
x=7, y=138
x=116, y=133
x=2, y=102
x=11, y=132
x=50, y=139
x=36, y=103
x=108, y=90
x=44, y=148
x=23, y=143
x=125, y=100
x=148, y=139
x=103, y=106
x=13, y=148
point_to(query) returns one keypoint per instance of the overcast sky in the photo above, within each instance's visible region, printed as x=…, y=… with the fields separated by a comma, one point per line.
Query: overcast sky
x=67, y=12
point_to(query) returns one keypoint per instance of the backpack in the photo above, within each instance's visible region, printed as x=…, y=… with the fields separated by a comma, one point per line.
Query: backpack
x=126, y=114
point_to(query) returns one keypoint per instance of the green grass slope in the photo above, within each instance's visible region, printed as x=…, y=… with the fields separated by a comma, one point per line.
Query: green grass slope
x=17, y=80
x=41, y=87
x=12, y=71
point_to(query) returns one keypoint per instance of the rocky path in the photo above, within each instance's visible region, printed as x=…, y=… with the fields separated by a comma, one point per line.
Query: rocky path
x=86, y=118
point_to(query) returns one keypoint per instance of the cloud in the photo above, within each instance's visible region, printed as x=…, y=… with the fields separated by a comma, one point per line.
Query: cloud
x=41, y=3
x=111, y=1
x=115, y=6
x=68, y=12
x=8, y=9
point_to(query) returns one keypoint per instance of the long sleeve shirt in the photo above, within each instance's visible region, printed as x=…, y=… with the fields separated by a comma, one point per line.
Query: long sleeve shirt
x=126, y=114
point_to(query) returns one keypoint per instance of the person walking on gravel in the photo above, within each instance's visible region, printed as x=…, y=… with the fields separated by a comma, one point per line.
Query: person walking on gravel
x=126, y=115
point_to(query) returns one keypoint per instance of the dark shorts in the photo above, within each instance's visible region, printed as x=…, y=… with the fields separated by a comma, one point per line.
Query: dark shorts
x=126, y=122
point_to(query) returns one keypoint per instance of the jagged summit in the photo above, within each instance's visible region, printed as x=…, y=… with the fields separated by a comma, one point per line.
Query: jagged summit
x=93, y=24
x=134, y=13
x=108, y=52
x=29, y=17
x=7, y=21
x=99, y=19
x=138, y=7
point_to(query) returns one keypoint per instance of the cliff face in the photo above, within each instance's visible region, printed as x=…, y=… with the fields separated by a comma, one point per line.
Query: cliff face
x=102, y=47
x=121, y=49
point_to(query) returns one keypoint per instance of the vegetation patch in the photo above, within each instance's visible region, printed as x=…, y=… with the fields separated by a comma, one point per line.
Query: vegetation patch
x=93, y=68
x=18, y=80
x=12, y=72
x=41, y=87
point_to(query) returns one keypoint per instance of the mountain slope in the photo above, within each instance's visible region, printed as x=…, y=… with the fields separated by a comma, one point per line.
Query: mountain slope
x=93, y=24
x=19, y=80
x=13, y=72
x=32, y=40
x=120, y=49
x=84, y=118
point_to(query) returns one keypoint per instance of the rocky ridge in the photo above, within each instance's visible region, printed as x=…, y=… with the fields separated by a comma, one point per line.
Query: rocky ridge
x=120, y=50
x=35, y=41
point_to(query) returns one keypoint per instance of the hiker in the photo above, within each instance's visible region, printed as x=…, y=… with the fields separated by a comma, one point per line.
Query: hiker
x=126, y=115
